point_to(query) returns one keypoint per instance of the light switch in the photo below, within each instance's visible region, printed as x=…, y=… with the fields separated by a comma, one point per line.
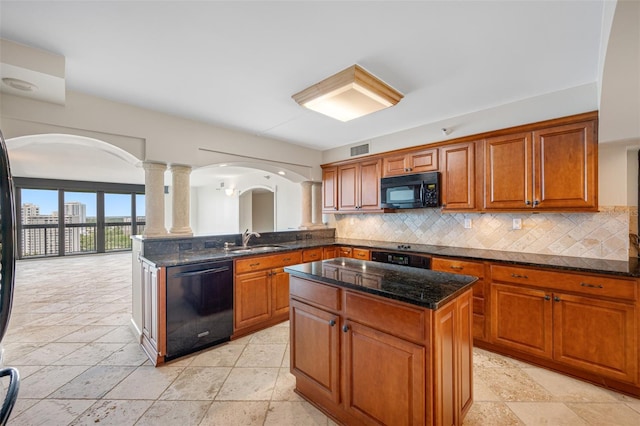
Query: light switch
x=517, y=223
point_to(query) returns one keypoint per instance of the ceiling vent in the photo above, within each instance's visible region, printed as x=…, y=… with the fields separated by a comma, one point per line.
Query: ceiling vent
x=360, y=150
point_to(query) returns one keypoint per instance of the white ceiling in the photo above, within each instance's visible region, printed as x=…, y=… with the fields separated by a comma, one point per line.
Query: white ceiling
x=236, y=64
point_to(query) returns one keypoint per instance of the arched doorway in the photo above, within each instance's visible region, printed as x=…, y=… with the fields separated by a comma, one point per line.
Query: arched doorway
x=257, y=209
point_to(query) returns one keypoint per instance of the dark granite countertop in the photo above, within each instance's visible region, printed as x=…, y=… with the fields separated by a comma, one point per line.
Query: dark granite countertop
x=630, y=268
x=421, y=287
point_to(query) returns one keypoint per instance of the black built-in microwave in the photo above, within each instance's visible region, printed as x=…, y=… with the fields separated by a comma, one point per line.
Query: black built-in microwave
x=410, y=191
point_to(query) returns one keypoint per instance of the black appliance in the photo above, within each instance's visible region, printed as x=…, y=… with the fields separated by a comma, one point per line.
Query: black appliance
x=7, y=273
x=199, y=306
x=406, y=259
x=410, y=191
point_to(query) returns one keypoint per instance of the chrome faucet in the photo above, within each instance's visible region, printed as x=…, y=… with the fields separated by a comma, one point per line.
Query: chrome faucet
x=246, y=236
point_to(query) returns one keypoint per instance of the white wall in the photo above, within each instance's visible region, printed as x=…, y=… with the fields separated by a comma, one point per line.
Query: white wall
x=213, y=212
x=166, y=138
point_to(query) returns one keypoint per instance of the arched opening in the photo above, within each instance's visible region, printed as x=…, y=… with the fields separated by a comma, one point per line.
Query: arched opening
x=75, y=195
x=257, y=209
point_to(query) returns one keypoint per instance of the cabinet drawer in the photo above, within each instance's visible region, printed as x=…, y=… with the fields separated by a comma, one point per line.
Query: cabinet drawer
x=594, y=285
x=361, y=254
x=311, y=255
x=458, y=266
x=344, y=252
x=396, y=319
x=321, y=295
x=259, y=263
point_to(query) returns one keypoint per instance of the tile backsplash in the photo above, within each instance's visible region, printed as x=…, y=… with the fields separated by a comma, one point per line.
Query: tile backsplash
x=602, y=235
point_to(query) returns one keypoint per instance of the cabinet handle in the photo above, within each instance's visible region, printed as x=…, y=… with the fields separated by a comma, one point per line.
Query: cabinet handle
x=335, y=208
x=457, y=268
x=591, y=285
x=535, y=203
x=286, y=259
x=547, y=297
x=527, y=203
x=345, y=328
x=332, y=323
x=556, y=298
x=254, y=264
x=519, y=276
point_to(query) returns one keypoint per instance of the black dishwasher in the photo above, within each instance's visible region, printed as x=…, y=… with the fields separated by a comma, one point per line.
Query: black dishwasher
x=199, y=306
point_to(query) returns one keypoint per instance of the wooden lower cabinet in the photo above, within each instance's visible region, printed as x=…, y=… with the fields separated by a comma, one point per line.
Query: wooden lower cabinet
x=315, y=335
x=391, y=395
x=476, y=269
x=261, y=291
x=584, y=325
x=367, y=360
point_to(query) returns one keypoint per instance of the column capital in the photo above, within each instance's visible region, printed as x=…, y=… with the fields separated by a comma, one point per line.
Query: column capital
x=153, y=165
x=180, y=168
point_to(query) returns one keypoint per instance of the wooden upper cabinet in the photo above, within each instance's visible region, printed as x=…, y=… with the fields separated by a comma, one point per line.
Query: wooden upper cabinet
x=359, y=186
x=458, y=168
x=552, y=169
x=565, y=167
x=425, y=160
x=330, y=189
x=508, y=171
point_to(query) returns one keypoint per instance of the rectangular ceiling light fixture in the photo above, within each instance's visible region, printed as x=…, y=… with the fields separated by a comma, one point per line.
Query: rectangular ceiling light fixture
x=349, y=94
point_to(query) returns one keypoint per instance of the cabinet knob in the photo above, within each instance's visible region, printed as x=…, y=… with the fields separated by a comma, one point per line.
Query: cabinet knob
x=345, y=328
x=547, y=297
x=536, y=203
x=332, y=323
x=528, y=202
x=335, y=208
x=556, y=298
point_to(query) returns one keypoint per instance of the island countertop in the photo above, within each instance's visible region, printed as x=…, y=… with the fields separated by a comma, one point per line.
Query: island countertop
x=420, y=287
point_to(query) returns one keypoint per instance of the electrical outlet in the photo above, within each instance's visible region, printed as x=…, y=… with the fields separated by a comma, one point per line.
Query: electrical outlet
x=467, y=224
x=517, y=223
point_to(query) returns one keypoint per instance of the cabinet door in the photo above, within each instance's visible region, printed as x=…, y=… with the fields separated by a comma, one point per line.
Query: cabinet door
x=565, y=171
x=348, y=187
x=508, y=172
x=315, y=350
x=453, y=352
x=153, y=312
x=329, y=252
x=521, y=319
x=330, y=189
x=597, y=336
x=395, y=394
x=369, y=185
x=279, y=292
x=458, y=176
x=394, y=165
x=252, y=302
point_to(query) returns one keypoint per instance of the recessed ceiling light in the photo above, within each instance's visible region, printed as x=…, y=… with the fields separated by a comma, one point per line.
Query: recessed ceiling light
x=281, y=173
x=223, y=165
x=18, y=84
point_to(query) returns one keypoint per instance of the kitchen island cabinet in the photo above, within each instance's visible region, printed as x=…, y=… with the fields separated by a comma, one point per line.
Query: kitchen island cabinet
x=392, y=349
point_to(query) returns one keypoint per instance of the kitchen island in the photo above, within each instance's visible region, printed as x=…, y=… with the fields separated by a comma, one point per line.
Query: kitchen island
x=377, y=343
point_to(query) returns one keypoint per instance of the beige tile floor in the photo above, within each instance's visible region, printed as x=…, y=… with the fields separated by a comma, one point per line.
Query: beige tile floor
x=80, y=364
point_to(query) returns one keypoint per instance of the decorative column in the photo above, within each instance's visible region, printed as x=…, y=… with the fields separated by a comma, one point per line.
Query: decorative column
x=154, y=199
x=306, y=204
x=316, y=203
x=181, y=200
